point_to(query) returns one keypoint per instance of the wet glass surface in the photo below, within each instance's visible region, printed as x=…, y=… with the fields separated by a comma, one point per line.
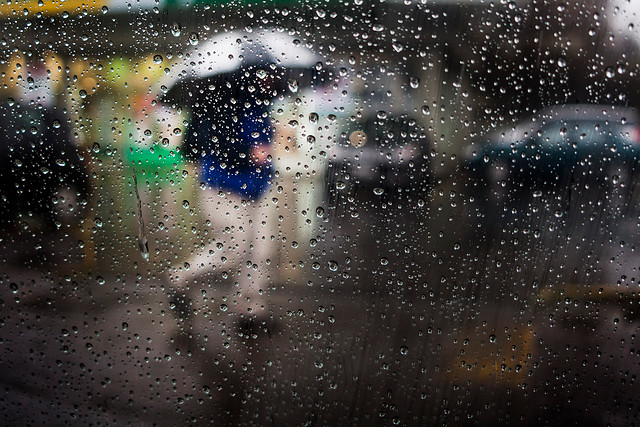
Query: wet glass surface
x=409, y=213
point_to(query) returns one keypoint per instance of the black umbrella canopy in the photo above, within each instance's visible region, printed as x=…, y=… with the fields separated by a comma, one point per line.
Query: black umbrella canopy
x=270, y=61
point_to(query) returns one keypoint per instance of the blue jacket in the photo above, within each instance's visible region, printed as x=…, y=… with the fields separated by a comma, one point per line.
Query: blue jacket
x=227, y=145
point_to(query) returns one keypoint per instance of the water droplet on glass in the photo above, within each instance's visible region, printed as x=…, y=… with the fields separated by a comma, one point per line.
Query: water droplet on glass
x=185, y=204
x=378, y=191
x=176, y=29
x=404, y=350
x=194, y=39
x=609, y=72
x=414, y=82
x=562, y=62
x=333, y=265
x=83, y=94
x=157, y=59
x=293, y=85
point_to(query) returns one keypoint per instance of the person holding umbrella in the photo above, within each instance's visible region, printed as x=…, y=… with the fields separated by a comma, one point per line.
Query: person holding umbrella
x=228, y=90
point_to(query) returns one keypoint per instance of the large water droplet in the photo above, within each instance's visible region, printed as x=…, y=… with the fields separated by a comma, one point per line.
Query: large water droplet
x=610, y=72
x=176, y=29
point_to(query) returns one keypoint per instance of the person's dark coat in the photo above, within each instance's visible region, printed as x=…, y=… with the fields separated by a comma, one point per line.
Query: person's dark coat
x=37, y=159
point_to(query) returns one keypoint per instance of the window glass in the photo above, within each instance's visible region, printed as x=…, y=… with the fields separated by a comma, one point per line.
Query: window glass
x=337, y=212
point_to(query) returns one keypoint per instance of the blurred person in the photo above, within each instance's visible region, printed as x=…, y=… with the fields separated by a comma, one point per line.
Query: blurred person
x=41, y=171
x=302, y=166
x=151, y=152
x=230, y=138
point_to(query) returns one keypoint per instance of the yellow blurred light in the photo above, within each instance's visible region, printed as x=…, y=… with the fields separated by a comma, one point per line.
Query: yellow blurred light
x=49, y=7
x=358, y=138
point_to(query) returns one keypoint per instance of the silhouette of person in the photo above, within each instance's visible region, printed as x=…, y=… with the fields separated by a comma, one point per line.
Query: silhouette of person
x=230, y=138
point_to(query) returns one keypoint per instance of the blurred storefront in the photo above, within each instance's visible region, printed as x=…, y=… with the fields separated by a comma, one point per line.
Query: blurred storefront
x=105, y=60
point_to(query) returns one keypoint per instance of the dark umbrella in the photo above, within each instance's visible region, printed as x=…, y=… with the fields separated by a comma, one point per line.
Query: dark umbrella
x=217, y=66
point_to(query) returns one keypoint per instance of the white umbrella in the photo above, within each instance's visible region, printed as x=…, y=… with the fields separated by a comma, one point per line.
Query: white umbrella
x=222, y=57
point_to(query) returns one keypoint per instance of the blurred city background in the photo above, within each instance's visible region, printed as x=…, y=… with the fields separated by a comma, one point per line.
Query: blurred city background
x=431, y=279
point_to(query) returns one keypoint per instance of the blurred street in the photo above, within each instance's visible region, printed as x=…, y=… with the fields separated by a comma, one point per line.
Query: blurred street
x=376, y=326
